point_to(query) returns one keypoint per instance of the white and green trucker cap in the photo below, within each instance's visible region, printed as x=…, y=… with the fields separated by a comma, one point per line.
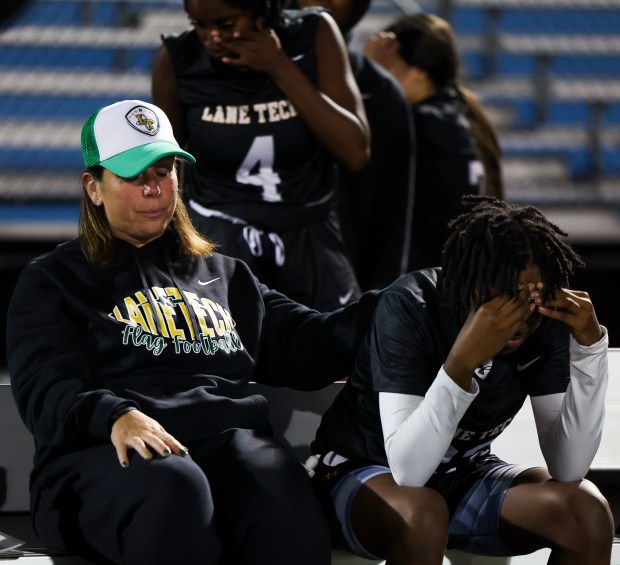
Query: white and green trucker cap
x=127, y=137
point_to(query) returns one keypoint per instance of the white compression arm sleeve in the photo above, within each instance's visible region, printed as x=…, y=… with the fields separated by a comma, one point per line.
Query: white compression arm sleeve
x=570, y=425
x=417, y=430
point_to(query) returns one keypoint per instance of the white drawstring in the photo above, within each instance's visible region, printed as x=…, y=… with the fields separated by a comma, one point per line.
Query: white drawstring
x=310, y=464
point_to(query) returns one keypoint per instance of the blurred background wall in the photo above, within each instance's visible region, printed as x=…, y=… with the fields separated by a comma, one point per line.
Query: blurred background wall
x=548, y=71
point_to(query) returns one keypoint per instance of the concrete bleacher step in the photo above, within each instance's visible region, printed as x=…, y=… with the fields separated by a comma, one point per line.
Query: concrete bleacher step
x=502, y=117
x=69, y=85
x=546, y=170
x=570, y=144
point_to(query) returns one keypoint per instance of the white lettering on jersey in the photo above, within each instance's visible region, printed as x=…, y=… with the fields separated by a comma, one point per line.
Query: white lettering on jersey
x=257, y=168
x=262, y=113
x=227, y=114
x=468, y=435
x=476, y=175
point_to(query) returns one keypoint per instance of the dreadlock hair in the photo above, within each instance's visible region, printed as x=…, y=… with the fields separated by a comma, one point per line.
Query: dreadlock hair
x=492, y=243
x=269, y=10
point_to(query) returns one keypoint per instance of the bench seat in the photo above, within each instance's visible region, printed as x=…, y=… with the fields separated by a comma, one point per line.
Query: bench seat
x=295, y=417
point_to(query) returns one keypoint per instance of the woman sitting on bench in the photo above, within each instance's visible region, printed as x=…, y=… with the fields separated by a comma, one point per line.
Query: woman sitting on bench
x=130, y=349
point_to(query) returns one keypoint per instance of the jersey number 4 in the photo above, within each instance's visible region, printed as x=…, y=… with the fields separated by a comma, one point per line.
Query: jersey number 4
x=257, y=169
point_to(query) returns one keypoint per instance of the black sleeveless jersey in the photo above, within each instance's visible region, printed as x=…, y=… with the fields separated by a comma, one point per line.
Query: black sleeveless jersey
x=410, y=337
x=376, y=202
x=447, y=167
x=256, y=159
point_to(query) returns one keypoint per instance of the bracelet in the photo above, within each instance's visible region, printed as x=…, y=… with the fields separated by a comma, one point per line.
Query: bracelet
x=119, y=411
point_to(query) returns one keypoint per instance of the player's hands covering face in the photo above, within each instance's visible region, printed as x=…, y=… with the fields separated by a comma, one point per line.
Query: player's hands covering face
x=575, y=309
x=503, y=323
x=486, y=332
x=258, y=49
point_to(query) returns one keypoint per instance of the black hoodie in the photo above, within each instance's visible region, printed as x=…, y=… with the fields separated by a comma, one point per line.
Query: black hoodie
x=84, y=338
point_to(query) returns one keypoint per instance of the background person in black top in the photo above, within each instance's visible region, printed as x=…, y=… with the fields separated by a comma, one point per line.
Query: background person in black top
x=265, y=100
x=376, y=202
x=406, y=465
x=457, y=149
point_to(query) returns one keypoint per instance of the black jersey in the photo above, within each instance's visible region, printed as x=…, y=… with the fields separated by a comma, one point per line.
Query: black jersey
x=447, y=167
x=411, y=334
x=376, y=202
x=256, y=159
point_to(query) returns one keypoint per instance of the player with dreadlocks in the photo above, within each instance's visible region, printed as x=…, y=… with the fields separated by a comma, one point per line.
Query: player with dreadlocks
x=266, y=100
x=502, y=240
x=403, y=457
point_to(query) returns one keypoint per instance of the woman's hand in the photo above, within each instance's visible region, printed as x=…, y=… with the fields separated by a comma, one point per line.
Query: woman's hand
x=383, y=48
x=575, y=309
x=135, y=430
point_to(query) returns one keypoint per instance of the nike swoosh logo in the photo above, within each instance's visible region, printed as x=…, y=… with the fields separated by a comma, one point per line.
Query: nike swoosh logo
x=345, y=297
x=526, y=365
x=298, y=57
x=208, y=282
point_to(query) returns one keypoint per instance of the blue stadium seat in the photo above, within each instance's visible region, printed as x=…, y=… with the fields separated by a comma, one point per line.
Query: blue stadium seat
x=543, y=20
x=611, y=162
x=560, y=20
x=565, y=65
x=108, y=13
x=52, y=107
x=559, y=113
x=58, y=212
x=49, y=14
x=78, y=57
x=561, y=65
x=43, y=159
x=577, y=158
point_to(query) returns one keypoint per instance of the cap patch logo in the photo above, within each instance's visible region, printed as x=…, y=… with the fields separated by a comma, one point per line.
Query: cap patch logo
x=143, y=119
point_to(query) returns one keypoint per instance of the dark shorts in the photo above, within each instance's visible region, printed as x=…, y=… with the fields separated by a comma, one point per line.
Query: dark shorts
x=474, y=494
x=309, y=265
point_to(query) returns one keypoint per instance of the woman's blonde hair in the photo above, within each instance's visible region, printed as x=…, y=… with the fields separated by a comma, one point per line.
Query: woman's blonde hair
x=99, y=245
